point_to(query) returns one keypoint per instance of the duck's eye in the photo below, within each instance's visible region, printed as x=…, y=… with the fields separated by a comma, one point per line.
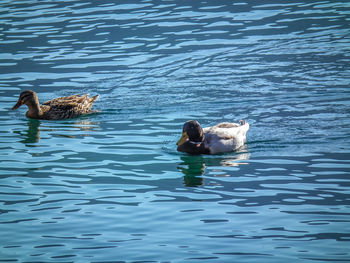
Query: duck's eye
x=26, y=98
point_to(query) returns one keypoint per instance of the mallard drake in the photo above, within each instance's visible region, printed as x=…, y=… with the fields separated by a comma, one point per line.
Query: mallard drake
x=223, y=137
x=55, y=109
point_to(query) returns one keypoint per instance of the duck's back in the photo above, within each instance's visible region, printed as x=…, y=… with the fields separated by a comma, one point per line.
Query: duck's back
x=67, y=107
x=225, y=137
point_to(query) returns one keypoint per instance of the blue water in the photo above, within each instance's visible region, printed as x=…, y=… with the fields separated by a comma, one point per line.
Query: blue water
x=111, y=187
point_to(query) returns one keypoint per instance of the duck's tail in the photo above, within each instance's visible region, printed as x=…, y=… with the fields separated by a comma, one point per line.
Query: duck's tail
x=94, y=98
x=244, y=126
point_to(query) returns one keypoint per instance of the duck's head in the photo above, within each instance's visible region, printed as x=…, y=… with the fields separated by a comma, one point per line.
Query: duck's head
x=27, y=97
x=192, y=132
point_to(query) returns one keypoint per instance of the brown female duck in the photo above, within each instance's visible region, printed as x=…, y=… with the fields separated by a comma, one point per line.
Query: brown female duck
x=55, y=109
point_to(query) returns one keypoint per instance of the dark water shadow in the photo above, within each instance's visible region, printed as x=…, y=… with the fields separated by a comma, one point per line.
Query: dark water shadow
x=31, y=135
x=194, y=166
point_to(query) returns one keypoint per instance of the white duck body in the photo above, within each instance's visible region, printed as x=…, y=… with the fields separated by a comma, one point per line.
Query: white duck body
x=225, y=136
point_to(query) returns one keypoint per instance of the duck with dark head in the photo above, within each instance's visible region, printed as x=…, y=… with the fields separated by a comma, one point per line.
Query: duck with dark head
x=223, y=137
x=192, y=139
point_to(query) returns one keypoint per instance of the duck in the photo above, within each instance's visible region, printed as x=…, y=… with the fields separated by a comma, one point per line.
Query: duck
x=221, y=138
x=55, y=109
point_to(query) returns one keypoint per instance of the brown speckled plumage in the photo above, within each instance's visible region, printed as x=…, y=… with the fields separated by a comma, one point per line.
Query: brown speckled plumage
x=55, y=109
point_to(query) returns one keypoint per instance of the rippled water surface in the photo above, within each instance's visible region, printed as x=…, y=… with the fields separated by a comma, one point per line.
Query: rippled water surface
x=111, y=187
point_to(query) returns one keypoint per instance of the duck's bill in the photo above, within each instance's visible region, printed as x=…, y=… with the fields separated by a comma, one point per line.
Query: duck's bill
x=183, y=139
x=18, y=104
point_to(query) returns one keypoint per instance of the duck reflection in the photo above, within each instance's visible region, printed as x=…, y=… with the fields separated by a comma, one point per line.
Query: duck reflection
x=194, y=166
x=236, y=161
x=32, y=134
x=68, y=129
